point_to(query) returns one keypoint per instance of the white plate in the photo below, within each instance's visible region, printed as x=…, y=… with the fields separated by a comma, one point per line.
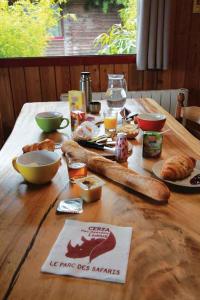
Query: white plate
x=184, y=182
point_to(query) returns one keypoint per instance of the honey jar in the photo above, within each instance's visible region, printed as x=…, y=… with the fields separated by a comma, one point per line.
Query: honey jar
x=77, y=170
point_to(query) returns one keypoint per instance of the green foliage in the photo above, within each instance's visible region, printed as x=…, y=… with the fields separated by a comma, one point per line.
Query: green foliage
x=120, y=38
x=105, y=5
x=24, y=26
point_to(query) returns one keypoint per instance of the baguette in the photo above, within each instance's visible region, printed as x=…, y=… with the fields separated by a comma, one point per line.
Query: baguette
x=143, y=184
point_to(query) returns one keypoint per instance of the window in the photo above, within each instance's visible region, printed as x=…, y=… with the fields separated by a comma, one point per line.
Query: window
x=34, y=28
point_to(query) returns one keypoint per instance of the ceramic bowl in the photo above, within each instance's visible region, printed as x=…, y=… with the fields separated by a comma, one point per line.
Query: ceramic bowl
x=37, y=167
x=151, y=121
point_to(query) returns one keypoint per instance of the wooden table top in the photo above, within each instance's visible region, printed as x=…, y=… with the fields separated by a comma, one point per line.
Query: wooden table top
x=164, y=261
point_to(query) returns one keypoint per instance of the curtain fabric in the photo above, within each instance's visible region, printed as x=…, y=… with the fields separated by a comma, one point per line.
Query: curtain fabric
x=153, y=34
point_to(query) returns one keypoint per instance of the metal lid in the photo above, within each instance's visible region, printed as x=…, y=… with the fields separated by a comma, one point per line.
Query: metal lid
x=76, y=165
x=85, y=74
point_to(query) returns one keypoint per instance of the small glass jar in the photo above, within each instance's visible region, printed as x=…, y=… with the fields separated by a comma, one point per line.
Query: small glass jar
x=77, y=170
x=152, y=144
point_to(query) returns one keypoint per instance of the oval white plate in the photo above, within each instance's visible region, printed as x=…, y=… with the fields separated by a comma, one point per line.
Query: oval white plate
x=184, y=182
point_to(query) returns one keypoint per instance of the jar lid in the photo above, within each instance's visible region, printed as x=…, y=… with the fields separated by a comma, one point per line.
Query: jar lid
x=85, y=74
x=76, y=165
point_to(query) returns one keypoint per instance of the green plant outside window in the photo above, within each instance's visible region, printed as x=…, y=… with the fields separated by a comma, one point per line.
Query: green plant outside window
x=120, y=38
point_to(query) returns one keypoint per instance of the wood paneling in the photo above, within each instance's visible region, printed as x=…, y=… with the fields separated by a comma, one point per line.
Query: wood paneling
x=6, y=102
x=18, y=87
x=135, y=78
x=33, y=86
x=150, y=80
x=48, y=83
x=104, y=71
x=62, y=79
x=164, y=79
x=95, y=75
x=75, y=72
x=121, y=69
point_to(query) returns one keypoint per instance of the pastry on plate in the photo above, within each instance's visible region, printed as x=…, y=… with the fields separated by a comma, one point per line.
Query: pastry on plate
x=177, y=167
x=130, y=130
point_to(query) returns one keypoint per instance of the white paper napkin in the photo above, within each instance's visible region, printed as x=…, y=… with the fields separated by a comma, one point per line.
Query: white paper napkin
x=90, y=250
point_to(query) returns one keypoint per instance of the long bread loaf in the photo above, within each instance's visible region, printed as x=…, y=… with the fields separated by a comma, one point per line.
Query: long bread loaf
x=143, y=184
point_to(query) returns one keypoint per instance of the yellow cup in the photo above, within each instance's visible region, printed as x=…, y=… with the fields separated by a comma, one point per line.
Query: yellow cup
x=37, y=167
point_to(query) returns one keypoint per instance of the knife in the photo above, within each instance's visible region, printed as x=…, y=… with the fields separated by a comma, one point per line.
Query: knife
x=95, y=146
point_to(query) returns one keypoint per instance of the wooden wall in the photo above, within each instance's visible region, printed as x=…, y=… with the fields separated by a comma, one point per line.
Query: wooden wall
x=44, y=79
x=185, y=56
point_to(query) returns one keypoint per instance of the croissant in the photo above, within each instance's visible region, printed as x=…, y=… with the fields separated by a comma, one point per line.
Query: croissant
x=44, y=145
x=177, y=167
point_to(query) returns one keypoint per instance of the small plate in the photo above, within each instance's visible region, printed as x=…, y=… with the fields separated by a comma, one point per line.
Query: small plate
x=184, y=182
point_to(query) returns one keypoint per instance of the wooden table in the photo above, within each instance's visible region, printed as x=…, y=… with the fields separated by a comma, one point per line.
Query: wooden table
x=164, y=260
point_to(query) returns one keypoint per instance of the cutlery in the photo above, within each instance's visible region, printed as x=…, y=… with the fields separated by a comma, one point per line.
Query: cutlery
x=96, y=146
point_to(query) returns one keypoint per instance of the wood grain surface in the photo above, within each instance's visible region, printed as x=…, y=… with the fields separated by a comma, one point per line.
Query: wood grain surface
x=164, y=260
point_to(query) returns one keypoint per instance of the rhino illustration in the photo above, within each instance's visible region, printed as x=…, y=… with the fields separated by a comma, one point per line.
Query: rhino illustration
x=92, y=248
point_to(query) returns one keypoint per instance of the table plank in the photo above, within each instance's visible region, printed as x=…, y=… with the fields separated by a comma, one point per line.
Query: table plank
x=163, y=263
x=164, y=260
x=23, y=207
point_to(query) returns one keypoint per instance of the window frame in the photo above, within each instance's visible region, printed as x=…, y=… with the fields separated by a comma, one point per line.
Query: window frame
x=68, y=60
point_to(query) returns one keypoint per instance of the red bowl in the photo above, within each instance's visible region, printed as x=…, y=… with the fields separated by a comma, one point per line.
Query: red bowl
x=151, y=121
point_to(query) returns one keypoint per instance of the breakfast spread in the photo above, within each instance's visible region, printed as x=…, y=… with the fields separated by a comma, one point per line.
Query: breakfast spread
x=86, y=133
x=177, y=167
x=143, y=184
x=47, y=144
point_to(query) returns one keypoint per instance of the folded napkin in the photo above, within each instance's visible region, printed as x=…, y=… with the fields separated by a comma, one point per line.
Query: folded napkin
x=90, y=250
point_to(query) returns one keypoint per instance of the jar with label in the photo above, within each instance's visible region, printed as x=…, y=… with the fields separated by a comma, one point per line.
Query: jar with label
x=152, y=144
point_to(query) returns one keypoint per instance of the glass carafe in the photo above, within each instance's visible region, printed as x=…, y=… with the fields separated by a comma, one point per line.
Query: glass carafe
x=116, y=92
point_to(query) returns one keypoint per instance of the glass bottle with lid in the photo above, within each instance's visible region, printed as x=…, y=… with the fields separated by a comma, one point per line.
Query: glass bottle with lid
x=85, y=86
